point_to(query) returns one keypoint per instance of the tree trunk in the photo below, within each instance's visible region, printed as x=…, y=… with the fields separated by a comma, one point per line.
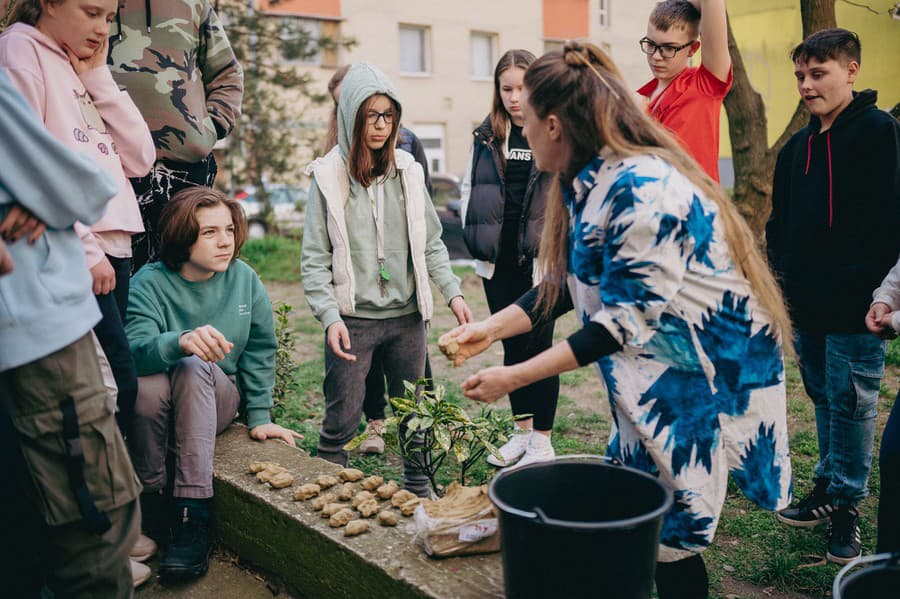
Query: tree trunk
x=754, y=160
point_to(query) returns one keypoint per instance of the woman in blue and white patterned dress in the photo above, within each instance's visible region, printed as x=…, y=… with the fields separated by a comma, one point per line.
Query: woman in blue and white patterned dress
x=682, y=317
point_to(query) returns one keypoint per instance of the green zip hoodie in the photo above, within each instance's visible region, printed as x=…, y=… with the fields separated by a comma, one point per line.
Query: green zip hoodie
x=412, y=231
x=162, y=305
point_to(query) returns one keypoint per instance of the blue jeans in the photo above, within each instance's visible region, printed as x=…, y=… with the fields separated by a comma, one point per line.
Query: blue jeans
x=842, y=375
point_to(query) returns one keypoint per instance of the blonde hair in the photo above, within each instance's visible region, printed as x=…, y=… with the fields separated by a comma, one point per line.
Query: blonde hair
x=583, y=78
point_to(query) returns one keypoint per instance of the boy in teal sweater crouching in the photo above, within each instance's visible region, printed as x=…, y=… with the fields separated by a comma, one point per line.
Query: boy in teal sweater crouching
x=202, y=335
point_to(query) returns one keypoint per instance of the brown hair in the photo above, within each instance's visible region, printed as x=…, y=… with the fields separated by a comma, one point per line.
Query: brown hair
x=837, y=44
x=583, y=88
x=521, y=59
x=676, y=13
x=179, y=229
x=28, y=11
x=331, y=136
x=367, y=165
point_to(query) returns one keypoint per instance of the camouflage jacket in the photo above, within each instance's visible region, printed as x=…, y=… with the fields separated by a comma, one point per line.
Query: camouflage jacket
x=178, y=66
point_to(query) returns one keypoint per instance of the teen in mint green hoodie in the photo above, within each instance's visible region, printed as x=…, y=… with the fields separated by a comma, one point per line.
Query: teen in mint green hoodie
x=371, y=242
x=203, y=338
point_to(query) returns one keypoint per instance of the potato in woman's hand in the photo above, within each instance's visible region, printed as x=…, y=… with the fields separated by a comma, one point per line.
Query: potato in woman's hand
x=450, y=348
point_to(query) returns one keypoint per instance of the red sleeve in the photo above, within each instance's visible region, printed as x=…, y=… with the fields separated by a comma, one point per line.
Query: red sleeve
x=710, y=85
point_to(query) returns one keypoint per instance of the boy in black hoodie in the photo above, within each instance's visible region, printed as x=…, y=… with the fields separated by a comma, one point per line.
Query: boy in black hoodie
x=831, y=237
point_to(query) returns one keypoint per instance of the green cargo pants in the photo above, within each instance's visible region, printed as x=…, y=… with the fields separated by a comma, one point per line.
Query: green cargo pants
x=79, y=563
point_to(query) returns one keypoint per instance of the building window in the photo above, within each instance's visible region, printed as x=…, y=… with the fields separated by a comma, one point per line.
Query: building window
x=553, y=46
x=414, y=53
x=432, y=137
x=482, y=51
x=604, y=13
x=298, y=37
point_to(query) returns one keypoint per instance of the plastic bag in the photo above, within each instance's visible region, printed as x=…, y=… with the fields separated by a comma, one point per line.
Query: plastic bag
x=463, y=522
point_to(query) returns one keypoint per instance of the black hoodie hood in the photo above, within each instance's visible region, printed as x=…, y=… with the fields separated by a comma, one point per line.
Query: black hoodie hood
x=862, y=101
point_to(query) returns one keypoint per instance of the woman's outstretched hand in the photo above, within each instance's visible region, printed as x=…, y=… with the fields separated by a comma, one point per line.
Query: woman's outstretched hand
x=465, y=341
x=491, y=384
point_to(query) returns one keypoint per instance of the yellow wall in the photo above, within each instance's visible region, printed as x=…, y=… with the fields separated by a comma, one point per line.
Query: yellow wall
x=767, y=30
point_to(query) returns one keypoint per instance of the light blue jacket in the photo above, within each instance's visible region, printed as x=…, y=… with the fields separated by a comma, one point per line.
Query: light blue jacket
x=46, y=303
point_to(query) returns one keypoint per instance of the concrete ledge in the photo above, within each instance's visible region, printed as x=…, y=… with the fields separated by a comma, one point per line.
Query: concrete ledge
x=288, y=538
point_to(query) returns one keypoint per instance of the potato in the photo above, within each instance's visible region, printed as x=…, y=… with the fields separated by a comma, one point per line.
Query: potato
x=266, y=475
x=326, y=480
x=322, y=500
x=356, y=527
x=387, y=490
x=256, y=467
x=401, y=497
x=351, y=475
x=307, y=491
x=332, y=508
x=372, y=483
x=450, y=348
x=409, y=507
x=387, y=518
x=281, y=480
x=368, y=508
x=345, y=493
x=362, y=497
x=341, y=518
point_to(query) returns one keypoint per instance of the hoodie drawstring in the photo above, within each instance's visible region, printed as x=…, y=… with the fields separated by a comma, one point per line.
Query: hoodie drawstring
x=808, y=153
x=830, y=181
x=118, y=25
x=830, y=172
x=147, y=12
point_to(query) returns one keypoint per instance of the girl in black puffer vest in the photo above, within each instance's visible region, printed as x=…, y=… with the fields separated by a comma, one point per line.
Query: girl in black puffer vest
x=503, y=199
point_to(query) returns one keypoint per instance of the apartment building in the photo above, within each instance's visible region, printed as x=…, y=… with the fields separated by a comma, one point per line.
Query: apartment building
x=441, y=55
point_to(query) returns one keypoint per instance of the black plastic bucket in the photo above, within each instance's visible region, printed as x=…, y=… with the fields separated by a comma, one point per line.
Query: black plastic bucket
x=877, y=577
x=579, y=526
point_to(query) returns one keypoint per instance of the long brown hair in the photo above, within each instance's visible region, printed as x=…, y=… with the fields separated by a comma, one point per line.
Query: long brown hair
x=331, y=139
x=367, y=165
x=583, y=88
x=518, y=58
x=28, y=11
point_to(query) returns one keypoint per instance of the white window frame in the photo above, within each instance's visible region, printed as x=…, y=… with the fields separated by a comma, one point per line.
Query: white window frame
x=425, y=33
x=603, y=13
x=491, y=39
x=436, y=155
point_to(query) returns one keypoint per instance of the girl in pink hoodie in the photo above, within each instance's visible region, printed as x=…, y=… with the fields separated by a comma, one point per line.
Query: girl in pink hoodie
x=55, y=54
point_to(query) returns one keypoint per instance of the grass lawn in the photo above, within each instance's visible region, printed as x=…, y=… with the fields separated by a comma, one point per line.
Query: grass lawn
x=752, y=555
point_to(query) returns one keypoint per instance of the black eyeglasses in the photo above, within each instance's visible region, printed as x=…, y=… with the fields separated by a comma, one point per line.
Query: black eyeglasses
x=372, y=117
x=649, y=48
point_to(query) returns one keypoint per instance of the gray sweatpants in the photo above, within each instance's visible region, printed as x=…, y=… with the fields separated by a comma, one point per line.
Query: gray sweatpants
x=196, y=401
x=400, y=343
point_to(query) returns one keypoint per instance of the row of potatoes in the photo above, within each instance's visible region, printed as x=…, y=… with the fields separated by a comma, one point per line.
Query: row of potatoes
x=362, y=497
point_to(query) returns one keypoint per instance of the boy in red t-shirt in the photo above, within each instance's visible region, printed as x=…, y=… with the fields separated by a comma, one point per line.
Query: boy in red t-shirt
x=688, y=100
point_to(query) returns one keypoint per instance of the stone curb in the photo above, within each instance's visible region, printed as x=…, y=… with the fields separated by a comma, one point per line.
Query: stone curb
x=288, y=538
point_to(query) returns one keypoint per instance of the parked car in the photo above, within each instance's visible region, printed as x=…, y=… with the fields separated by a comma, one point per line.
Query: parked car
x=446, y=196
x=287, y=202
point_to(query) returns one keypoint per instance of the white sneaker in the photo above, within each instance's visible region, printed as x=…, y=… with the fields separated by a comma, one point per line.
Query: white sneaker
x=513, y=449
x=539, y=450
x=374, y=443
x=139, y=573
x=143, y=549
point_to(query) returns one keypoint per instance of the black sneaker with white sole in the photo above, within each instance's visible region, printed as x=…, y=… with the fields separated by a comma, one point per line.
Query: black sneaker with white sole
x=816, y=508
x=843, y=538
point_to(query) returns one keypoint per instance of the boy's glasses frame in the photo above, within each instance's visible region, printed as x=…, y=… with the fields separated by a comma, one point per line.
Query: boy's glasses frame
x=372, y=117
x=649, y=47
